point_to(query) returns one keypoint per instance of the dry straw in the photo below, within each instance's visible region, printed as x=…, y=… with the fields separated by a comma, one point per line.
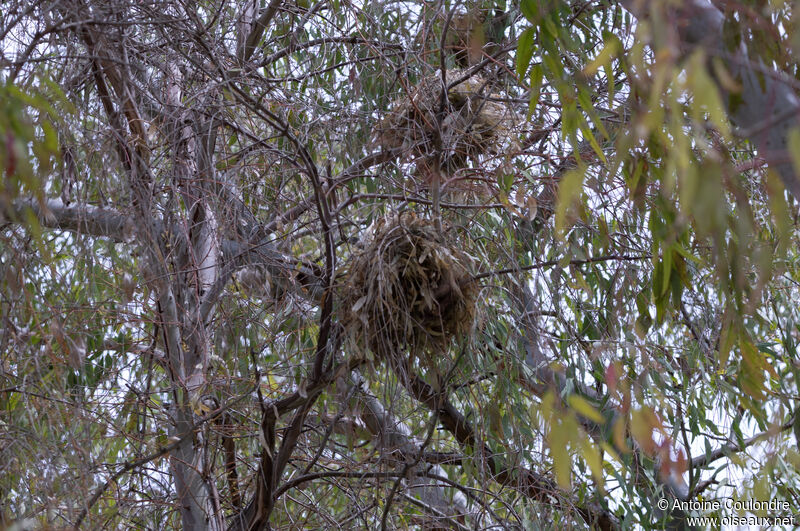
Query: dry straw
x=407, y=292
x=473, y=123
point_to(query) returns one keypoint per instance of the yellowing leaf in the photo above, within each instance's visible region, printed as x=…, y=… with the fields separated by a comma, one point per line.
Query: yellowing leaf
x=569, y=190
x=592, y=457
x=563, y=431
x=726, y=340
x=584, y=408
x=794, y=147
x=706, y=95
x=643, y=422
x=609, y=51
x=532, y=208
x=562, y=465
x=618, y=432
x=751, y=375
x=777, y=203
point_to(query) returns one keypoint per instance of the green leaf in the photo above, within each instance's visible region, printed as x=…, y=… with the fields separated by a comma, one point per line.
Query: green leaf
x=531, y=10
x=588, y=135
x=667, y=269
x=50, y=137
x=524, y=51
x=537, y=76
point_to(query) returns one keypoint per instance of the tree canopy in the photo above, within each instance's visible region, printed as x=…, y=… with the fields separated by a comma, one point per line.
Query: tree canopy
x=396, y=264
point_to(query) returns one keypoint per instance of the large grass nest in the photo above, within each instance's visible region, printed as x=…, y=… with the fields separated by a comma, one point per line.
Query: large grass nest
x=473, y=123
x=407, y=291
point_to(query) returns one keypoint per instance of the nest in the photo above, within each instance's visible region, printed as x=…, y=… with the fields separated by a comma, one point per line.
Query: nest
x=473, y=123
x=407, y=290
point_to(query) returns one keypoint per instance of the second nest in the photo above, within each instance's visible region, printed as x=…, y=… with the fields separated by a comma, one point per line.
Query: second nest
x=474, y=121
x=407, y=292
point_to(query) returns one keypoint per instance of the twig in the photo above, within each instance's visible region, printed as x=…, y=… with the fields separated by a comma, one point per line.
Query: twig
x=130, y=465
x=549, y=263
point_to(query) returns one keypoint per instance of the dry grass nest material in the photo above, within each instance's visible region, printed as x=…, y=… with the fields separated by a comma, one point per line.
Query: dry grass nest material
x=408, y=292
x=473, y=123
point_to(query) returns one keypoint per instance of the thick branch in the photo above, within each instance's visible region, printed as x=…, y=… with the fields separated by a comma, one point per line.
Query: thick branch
x=107, y=223
x=54, y=214
x=257, y=30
